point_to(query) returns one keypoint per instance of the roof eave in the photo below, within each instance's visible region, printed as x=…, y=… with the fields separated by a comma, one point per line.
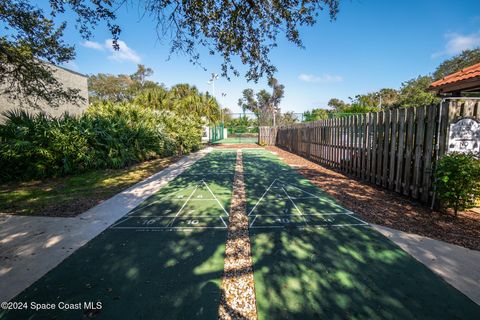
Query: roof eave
x=463, y=85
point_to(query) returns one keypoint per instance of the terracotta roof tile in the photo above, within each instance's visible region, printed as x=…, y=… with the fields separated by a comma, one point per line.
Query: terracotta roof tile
x=464, y=74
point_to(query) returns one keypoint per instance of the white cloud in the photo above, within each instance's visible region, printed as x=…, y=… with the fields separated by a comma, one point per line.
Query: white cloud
x=456, y=43
x=325, y=78
x=124, y=53
x=93, y=45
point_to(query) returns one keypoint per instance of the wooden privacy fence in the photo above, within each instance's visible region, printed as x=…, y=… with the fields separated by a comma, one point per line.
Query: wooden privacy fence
x=267, y=135
x=395, y=149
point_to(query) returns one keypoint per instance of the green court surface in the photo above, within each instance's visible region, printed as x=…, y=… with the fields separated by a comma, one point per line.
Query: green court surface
x=164, y=260
x=314, y=259
x=235, y=140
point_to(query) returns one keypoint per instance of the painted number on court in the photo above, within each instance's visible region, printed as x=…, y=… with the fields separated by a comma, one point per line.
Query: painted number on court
x=149, y=222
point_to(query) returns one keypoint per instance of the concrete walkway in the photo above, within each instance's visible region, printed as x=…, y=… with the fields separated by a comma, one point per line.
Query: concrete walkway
x=457, y=265
x=32, y=246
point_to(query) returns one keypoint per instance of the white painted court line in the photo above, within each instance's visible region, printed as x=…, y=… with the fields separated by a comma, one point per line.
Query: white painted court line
x=308, y=214
x=215, y=198
x=167, y=228
x=268, y=227
x=160, y=200
x=301, y=198
x=209, y=174
x=184, y=205
x=120, y=221
x=187, y=216
x=221, y=218
x=263, y=195
x=72, y=233
x=308, y=225
x=341, y=225
x=299, y=211
x=351, y=216
x=326, y=226
x=251, y=224
x=311, y=194
x=167, y=197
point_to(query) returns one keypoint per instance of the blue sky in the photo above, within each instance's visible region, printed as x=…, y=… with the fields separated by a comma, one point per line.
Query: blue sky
x=372, y=45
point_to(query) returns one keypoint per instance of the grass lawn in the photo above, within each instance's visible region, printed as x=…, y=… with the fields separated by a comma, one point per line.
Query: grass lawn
x=69, y=196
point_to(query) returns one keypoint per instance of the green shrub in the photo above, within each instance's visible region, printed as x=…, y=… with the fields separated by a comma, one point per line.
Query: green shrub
x=458, y=181
x=107, y=136
x=38, y=146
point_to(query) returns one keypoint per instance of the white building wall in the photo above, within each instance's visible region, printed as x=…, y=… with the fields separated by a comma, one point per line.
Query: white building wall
x=70, y=79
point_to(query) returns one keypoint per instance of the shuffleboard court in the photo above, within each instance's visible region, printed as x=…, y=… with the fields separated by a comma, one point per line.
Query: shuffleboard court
x=164, y=260
x=314, y=259
x=236, y=140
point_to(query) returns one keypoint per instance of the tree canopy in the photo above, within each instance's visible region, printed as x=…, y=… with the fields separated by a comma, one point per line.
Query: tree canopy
x=264, y=104
x=457, y=63
x=247, y=29
x=116, y=88
x=315, y=114
x=244, y=30
x=32, y=38
x=336, y=104
x=412, y=93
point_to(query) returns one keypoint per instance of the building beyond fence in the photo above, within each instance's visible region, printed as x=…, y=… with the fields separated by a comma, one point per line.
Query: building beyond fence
x=395, y=149
x=69, y=79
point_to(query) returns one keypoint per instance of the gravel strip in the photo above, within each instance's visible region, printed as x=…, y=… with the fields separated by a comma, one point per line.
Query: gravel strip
x=387, y=208
x=238, y=290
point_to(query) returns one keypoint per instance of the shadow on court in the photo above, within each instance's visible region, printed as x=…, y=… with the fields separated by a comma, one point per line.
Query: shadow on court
x=136, y=275
x=331, y=270
x=148, y=270
x=347, y=273
x=312, y=258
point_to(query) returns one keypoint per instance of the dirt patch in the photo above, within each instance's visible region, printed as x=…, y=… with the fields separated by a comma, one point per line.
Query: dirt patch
x=387, y=208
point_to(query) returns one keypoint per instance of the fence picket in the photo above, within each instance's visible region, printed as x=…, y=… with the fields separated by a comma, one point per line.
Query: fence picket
x=365, y=167
x=373, y=153
x=428, y=153
x=393, y=149
x=386, y=148
x=380, y=129
x=401, y=148
x=419, y=138
x=396, y=149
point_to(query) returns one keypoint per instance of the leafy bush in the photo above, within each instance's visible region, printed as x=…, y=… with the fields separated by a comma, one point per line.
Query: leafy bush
x=34, y=146
x=458, y=181
x=106, y=136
